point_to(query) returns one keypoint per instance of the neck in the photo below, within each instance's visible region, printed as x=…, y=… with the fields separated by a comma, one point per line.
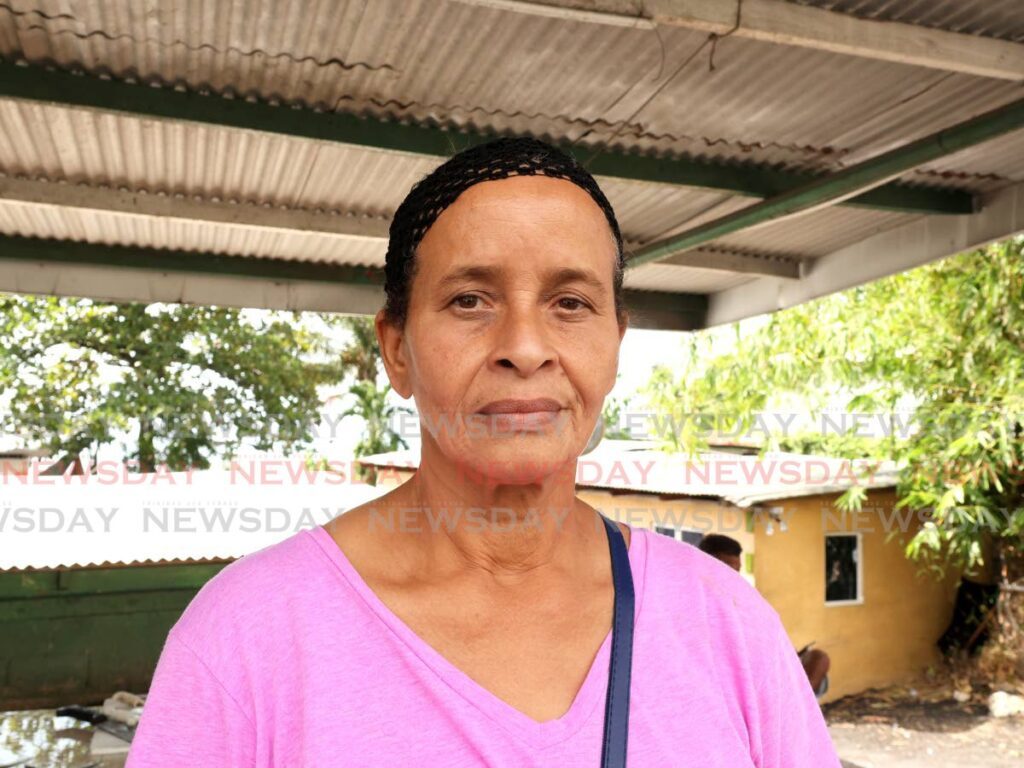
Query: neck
x=508, y=530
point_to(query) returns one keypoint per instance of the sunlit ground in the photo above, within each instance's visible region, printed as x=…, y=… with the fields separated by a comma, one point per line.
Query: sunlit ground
x=43, y=740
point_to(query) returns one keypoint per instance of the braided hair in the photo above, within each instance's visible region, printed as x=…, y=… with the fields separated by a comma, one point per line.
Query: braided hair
x=431, y=195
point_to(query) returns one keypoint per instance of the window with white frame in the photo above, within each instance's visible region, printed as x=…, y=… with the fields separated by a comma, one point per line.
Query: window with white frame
x=843, y=571
x=680, y=534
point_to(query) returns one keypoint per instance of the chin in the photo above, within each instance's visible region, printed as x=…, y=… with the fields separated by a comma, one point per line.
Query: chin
x=520, y=459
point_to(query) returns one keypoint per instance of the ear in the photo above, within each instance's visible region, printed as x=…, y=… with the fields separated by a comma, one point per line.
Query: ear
x=391, y=341
x=623, y=327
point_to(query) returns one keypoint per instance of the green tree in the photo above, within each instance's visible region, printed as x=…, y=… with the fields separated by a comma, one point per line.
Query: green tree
x=947, y=338
x=369, y=399
x=361, y=354
x=189, y=383
x=371, y=405
x=611, y=415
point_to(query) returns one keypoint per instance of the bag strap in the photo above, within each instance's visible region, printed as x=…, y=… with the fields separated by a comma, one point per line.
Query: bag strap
x=616, y=712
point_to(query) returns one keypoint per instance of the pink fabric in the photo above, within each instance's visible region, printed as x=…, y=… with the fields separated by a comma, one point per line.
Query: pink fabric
x=287, y=659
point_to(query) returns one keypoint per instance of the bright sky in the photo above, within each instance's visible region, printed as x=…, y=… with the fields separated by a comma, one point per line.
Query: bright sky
x=641, y=351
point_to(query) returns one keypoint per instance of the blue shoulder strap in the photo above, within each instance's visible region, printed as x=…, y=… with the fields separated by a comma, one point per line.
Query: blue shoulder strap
x=616, y=713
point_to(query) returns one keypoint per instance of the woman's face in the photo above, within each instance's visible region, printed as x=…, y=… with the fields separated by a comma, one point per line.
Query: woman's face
x=512, y=302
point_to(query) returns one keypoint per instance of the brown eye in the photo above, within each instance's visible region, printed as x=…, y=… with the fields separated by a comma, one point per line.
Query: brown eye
x=571, y=304
x=466, y=301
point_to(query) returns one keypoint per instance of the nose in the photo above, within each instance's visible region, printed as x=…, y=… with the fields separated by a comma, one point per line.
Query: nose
x=523, y=342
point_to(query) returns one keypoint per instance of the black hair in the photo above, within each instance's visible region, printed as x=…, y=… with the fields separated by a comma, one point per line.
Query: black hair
x=716, y=544
x=496, y=159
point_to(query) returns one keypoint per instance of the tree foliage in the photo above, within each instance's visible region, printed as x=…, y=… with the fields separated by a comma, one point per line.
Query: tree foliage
x=368, y=398
x=611, y=416
x=187, y=383
x=947, y=339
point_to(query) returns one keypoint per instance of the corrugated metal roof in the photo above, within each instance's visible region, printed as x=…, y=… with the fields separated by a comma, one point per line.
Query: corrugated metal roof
x=160, y=156
x=51, y=221
x=764, y=95
x=376, y=56
x=648, y=89
x=991, y=164
x=668, y=277
x=517, y=72
x=1003, y=19
x=646, y=211
x=196, y=159
x=172, y=517
x=815, y=233
x=218, y=515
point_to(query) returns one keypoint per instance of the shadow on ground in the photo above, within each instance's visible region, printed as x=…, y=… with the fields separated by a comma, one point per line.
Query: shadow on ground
x=915, y=714
x=905, y=728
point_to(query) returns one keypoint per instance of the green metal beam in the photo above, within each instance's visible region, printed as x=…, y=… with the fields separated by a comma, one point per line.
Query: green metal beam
x=69, y=89
x=650, y=309
x=158, y=260
x=670, y=311
x=850, y=181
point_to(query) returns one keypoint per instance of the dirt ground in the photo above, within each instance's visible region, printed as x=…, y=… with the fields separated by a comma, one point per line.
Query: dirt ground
x=907, y=728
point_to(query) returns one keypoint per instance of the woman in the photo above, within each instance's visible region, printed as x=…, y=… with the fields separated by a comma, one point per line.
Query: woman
x=465, y=618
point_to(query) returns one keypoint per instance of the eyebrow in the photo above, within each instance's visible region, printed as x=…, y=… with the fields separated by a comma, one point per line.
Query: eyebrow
x=555, y=278
x=465, y=274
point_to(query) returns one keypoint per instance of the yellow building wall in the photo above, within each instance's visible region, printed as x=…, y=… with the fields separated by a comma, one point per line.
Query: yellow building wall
x=889, y=638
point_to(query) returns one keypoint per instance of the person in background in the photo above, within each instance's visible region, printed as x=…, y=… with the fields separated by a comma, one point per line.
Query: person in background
x=725, y=548
x=816, y=662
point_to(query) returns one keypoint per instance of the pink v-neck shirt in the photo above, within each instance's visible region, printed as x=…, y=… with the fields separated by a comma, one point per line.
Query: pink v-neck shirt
x=288, y=659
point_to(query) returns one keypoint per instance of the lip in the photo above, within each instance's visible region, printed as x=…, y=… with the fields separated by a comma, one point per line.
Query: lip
x=537, y=405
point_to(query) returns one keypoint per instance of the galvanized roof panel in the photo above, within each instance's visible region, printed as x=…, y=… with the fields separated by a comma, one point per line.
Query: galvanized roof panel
x=159, y=156
x=813, y=234
x=210, y=162
x=838, y=109
x=121, y=150
x=196, y=159
x=676, y=279
x=1002, y=19
x=112, y=228
x=991, y=164
x=646, y=211
x=668, y=89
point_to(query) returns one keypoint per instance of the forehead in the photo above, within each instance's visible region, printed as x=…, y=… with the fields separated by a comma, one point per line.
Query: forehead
x=537, y=214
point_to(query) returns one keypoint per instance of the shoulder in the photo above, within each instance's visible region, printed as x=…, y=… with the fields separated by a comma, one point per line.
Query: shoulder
x=710, y=612
x=247, y=593
x=682, y=578
x=684, y=563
